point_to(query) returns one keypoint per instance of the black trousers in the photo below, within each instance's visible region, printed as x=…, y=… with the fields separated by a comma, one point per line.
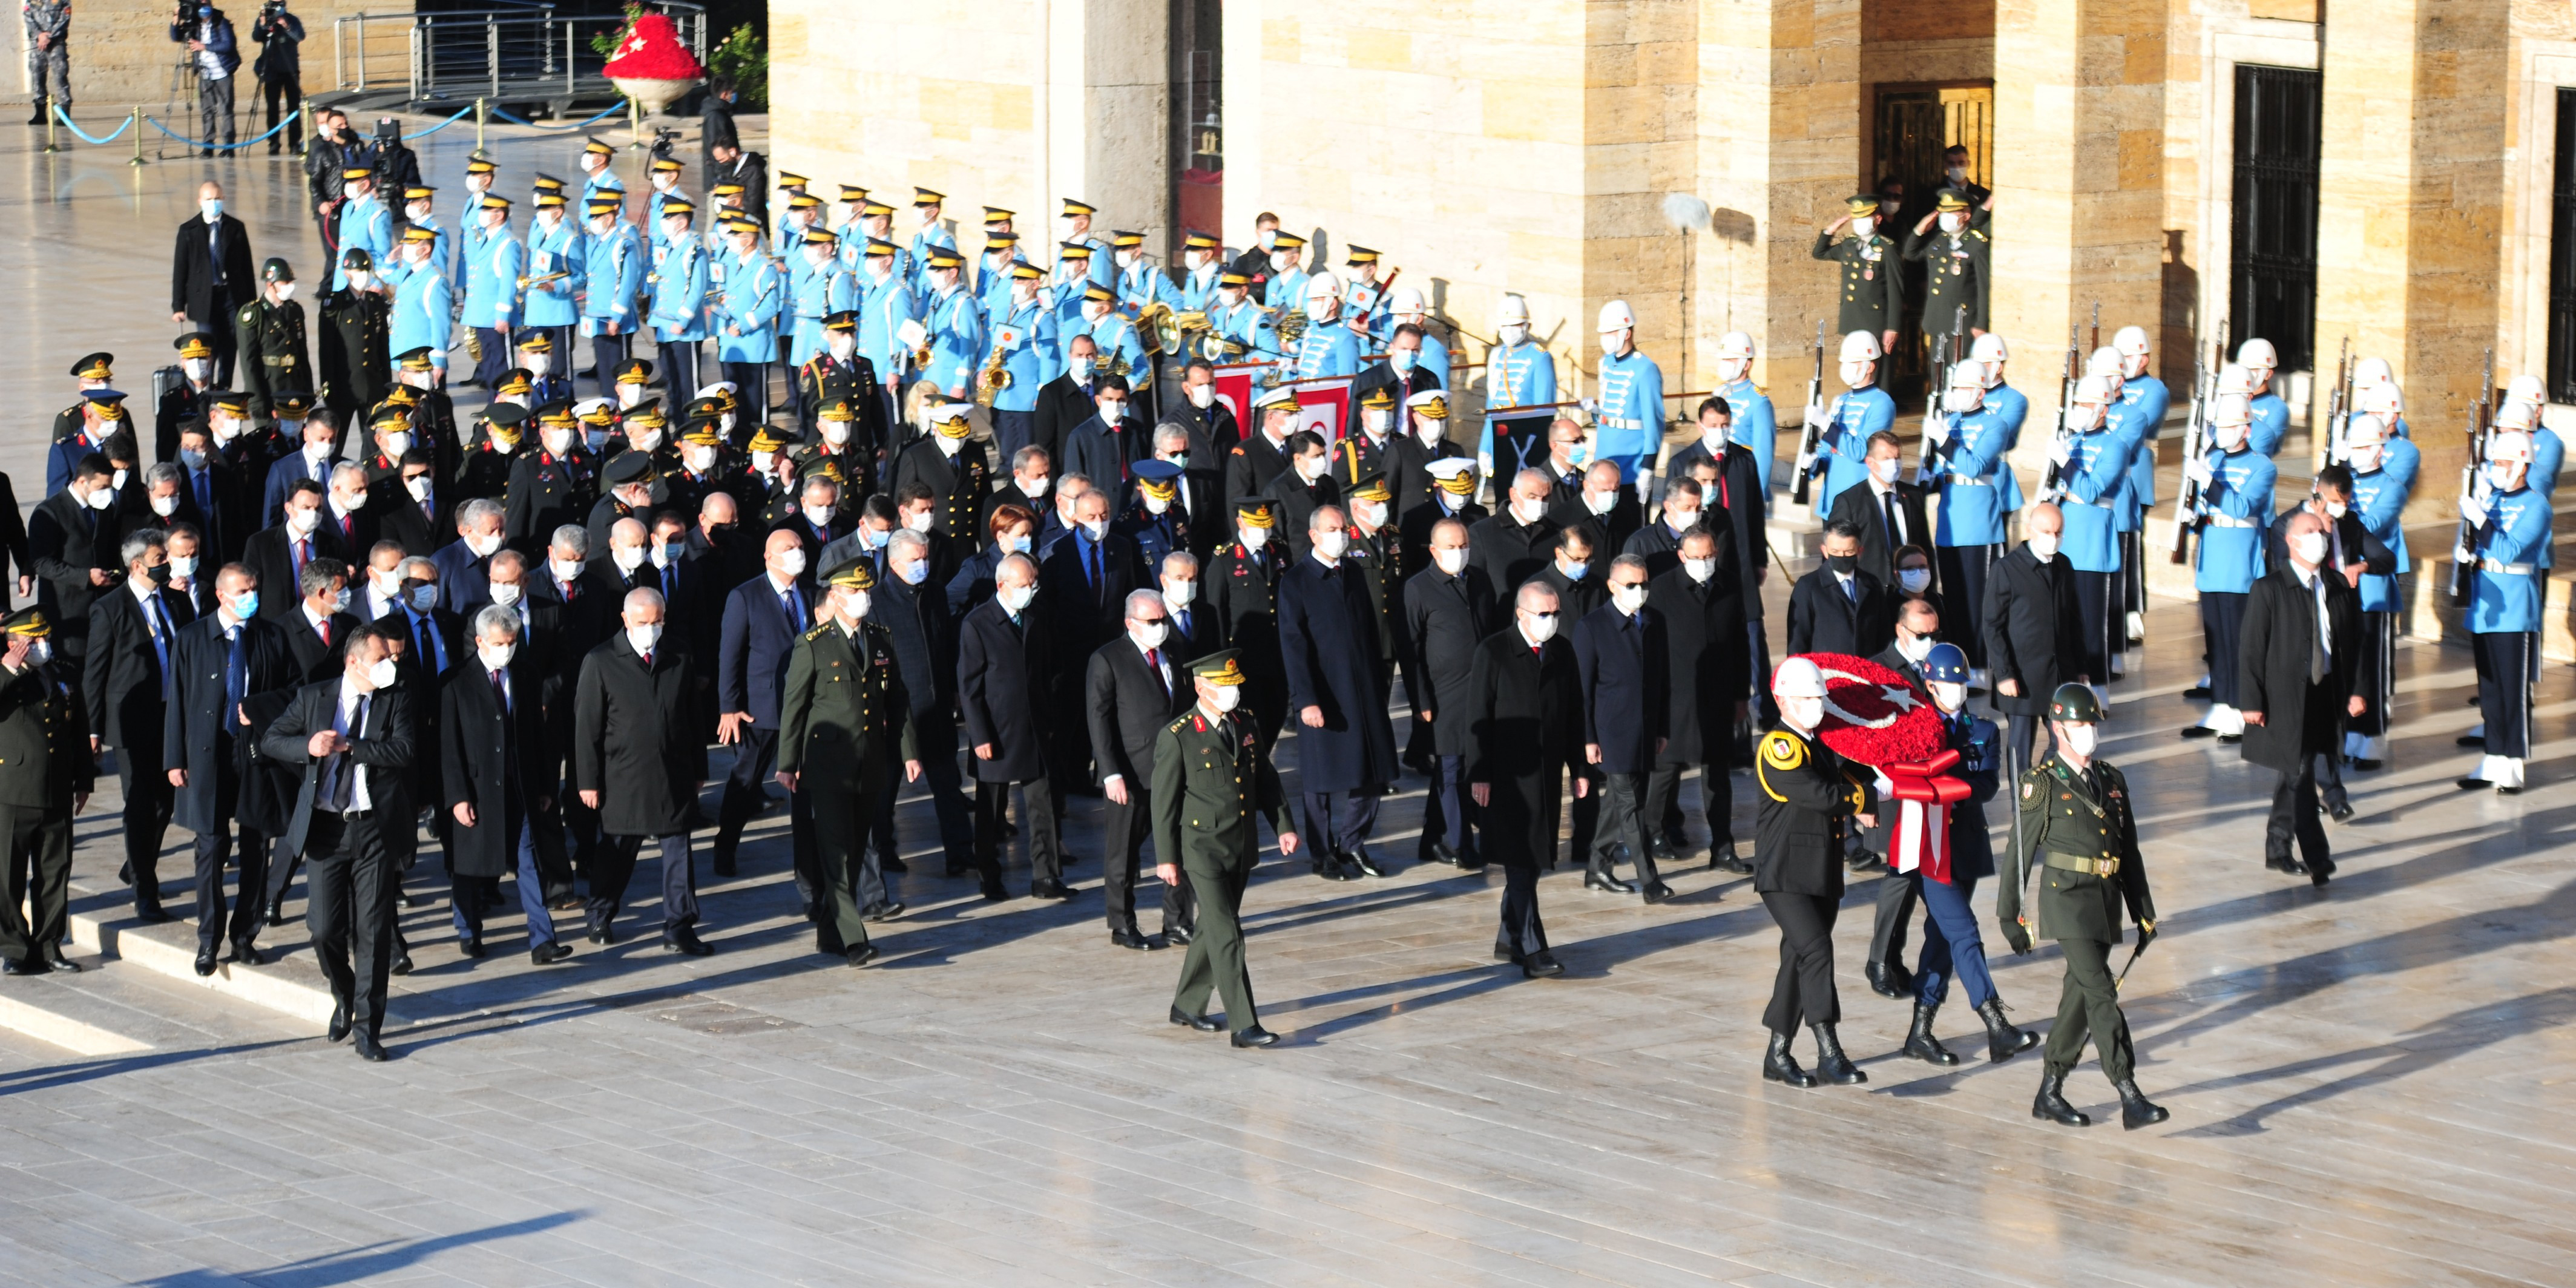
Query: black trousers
x=218, y=326
x=2504, y=689
x=2294, y=817
x=2097, y=598
x=2378, y=657
x=1628, y=802
x=1446, y=806
x=1340, y=820
x=2130, y=585
x=679, y=368
x=1897, y=895
x=148, y=800
x=1716, y=799
x=2021, y=736
x=1583, y=819
x=2089, y=1005
x=352, y=881
x=2222, y=617
x=935, y=734
x=1123, y=832
x=35, y=880
x=498, y=357
x=853, y=882
x=1803, y=992
x=1037, y=824
x=1522, y=934
x=615, y=866
x=1962, y=570
x=249, y=856
x=287, y=90
x=606, y=351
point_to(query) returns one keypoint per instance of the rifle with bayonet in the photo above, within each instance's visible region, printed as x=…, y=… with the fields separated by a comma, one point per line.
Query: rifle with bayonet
x=1946, y=358
x=2464, y=578
x=2339, y=403
x=2195, y=433
x=2053, y=483
x=1811, y=432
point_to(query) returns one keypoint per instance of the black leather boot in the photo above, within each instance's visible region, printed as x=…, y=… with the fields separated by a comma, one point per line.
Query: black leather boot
x=1780, y=1066
x=37, y=117
x=1919, y=1042
x=1831, y=1064
x=2051, y=1104
x=2004, y=1040
x=2136, y=1110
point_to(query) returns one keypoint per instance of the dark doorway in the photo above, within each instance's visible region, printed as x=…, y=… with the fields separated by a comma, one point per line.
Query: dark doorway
x=2274, y=288
x=1198, y=132
x=1914, y=127
x=2562, y=256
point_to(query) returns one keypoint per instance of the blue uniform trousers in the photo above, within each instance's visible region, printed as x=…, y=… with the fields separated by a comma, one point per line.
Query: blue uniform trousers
x=1951, y=945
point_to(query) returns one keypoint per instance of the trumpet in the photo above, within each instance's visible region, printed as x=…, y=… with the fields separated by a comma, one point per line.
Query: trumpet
x=541, y=279
x=1288, y=324
x=991, y=378
x=473, y=346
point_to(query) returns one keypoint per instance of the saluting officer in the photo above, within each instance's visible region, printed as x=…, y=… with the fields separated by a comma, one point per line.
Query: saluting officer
x=1211, y=773
x=268, y=333
x=1955, y=271
x=357, y=330
x=2509, y=520
x=1807, y=791
x=2076, y=823
x=45, y=778
x=1873, y=292
x=2235, y=502
x=843, y=721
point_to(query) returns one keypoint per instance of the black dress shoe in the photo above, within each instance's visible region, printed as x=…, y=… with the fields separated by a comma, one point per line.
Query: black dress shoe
x=1330, y=869
x=603, y=934
x=206, y=961
x=470, y=947
x=246, y=953
x=2284, y=863
x=861, y=955
x=2341, y=813
x=402, y=962
x=1049, y=888
x=150, y=914
x=2470, y=740
x=2198, y=731
x=1542, y=966
x=1920, y=1043
x=1607, y=884
x=994, y=893
x=2321, y=871
x=2472, y=784
x=67, y=966
x=2051, y=1104
x=2197, y=691
x=687, y=945
x=1442, y=854
x=2136, y=1110
x=1365, y=862
x=956, y=870
x=2368, y=766
x=276, y=912
x=339, y=1022
x=1659, y=893
x=1179, y=936
x=893, y=864
x=725, y=866
x=415, y=901
x=2230, y=739
x=1778, y=1065
x=1128, y=939
x=1831, y=1064
x=1882, y=979
x=548, y=954
x=887, y=911
x=1200, y=1022
x=1256, y=1036
x=371, y=1050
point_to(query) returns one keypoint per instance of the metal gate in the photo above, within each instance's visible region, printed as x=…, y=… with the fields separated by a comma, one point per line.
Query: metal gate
x=2274, y=278
x=2562, y=256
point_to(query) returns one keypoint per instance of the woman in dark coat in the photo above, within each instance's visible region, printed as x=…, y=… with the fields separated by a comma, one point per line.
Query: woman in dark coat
x=1523, y=708
x=1328, y=640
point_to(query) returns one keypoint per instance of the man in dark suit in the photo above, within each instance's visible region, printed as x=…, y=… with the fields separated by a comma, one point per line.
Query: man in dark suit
x=1196, y=632
x=1887, y=514
x=462, y=546
x=211, y=486
x=1307, y=485
x=1208, y=422
x=14, y=548
x=1262, y=457
x=1840, y=607
x=2298, y=656
x=2034, y=630
x=545, y=638
x=1522, y=708
x=74, y=544
x=223, y=658
x=1402, y=375
x=1006, y=660
x=192, y=580
x=132, y=631
x=1513, y=545
x=1133, y=687
x=761, y=620
x=913, y=609
x=1065, y=401
x=1609, y=511
x=1710, y=686
x=408, y=507
x=350, y=740
x=1620, y=650
x=155, y=505
x=496, y=773
x=1449, y=609
x=1660, y=543
x=1103, y=445
x=211, y=274
x=318, y=631
x=1084, y=582
x=639, y=763
x=1576, y=570
x=311, y=459
x=279, y=554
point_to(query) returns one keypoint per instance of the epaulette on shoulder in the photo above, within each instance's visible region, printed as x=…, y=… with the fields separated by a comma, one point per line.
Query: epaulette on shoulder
x=1781, y=751
x=817, y=632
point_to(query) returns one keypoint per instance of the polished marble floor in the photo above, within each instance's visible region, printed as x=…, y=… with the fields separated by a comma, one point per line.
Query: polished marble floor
x=2370, y=1084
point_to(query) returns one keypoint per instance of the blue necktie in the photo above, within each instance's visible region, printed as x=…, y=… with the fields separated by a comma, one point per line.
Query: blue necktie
x=235, y=679
x=795, y=615
x=160, y=627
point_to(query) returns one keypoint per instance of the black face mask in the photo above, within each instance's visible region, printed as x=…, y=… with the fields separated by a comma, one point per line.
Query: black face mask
x=159, y=574
x=1843, y=565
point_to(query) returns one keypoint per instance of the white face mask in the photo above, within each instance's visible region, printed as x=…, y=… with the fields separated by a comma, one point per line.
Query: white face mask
x=1864, y=226
x=496, y=656
x=818, y=515
x=1255, y=538
x=791, y=563
x=1156, y=504
x=627, y=558
x=283, y=291
x=1095, y=528
x=1713, y=437
x=2309, y=547
x=1178, y=594
x=119, y=480
x=1370, y=513
x=1222, y=698
x=1539, y=630
x=395, y=444
x=1961, y=401
x=1883, y=469
x=836, y=432
x=39, y=652
x=1015, y=598
x=1377, y=422
x=505, y=594
x=1526, y=510
x=1953, y=221
x=1913, y=579
x=1452, y=560
x=1950, y=694
x=2230, y=437
x=165, y=506
x=643, y=638
x=854, y=606
x=227, y=429
x=1805, y=713
x=1318, y=310
x=301, y=521
x=1150, y=635
x=1681, y=520
x=1857, y=375
x=698, y=459
x=1915, y=649
x=1428, y=431
x=350, y=504
x=1628, y=599
x=2364, y=459
x=1330, y=545
x=919, y=520
x=1513, y=335
x=387, y=581
x=380, y=675
x=1699, y=569
x=2044, y=545
x=1599, y=502
x=566, y=570
x=1202, y=396
x=557, y=441
x=1311, y=468
x=198, y=369
x=2079, y=738
x=183, y=566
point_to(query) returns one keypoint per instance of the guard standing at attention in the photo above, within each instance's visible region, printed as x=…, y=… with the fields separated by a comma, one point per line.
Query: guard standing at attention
x=2076, y=825
x=45, y=769
x=1210, y=778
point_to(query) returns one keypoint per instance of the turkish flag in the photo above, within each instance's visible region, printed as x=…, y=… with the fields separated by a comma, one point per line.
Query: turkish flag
x=1874, y=715
x=1236, y=386
x=1322, y=406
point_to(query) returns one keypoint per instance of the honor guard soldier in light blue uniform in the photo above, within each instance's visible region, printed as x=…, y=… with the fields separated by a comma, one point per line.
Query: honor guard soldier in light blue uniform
x=1024, y=334
x=2379, y=500
x=2141, y=413
x=1519, y=372
x=2271, y=413
x=664, y=175
x=553, y=300
x=791, y=188
x=1327, y=348
x=1964, y=464
x=1066, y=287
x=2522, y=399
x=2005, y=401
x=613, y=263
x=876, y=223
x=1075, y=220
x=1405, y=305
x=804, y=214
x=956, y=324
x=750, y=294
x=2235, y=504
x=2509, y=526
x=679, y=316
x=1140, y=280
x=1756, y=426
x=479, y=175
x=1861, y=410
x=1238, y=323
x=2402, y=459
x=2093, y=467
x=1287, y=288
x=418, y=212
x=1114, y=333
x=492, y=290
x=890, y=330
x=599, y=178
x=929, y=234
x=1201, y=262
x=824, y=289
x=422, y=315
x=1364, y=297
x=365, y=221
x=1628, y=415
x=993, y=272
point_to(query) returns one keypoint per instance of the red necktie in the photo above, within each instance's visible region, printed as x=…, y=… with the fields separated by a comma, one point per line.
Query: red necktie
x=648, y=659
x=326, y=632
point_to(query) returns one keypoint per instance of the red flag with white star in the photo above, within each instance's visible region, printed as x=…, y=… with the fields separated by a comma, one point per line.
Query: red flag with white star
x=1874, y=715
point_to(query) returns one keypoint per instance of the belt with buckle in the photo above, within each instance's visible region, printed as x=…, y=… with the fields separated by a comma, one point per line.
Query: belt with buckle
x=2073, y=863
x=353, y=815
x=2227, y=521
x=1967, y=480
x=2508, y=569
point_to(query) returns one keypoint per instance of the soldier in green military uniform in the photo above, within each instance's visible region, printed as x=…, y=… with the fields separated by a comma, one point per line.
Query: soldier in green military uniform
x=45, y=771
x=357, y=371
x=1211, y=777
x=1955, y=263
x=268, y=334
x=1873, y=299
x=843, y=720
x=2076, y=827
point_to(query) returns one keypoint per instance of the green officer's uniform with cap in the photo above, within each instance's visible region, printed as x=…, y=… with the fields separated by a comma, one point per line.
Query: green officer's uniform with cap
x=1955, y=271
x=1871, y=296
x=1211, y=779
x=44, y=762
x=268, y=338
x=2077, y=842
x=844, y=728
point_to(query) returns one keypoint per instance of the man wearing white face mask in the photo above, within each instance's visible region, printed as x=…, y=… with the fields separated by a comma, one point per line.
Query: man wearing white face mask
x=2034, y=630
x=498, y=780
x=269, y=338
x=2235, y=498
x=2509, y=524
x=844, y=721
x=643, y=780
x=1807, y=791
x=1260, y=459
x=2298, y=656
x=1861, y=412
x=1207, y=422
x=1519, y=710
x=73, y=539
x=1957, y=280
x=1133, y=686
x=1400, y=375
x=1330, y=650
x=1241, y=590
x=1006, y=665
x=1519, y=372
x=210, y=275
x=1608, y=511
x=1448, y=611
x=1305, y=487
x=1512, y=545
x=1871, y=290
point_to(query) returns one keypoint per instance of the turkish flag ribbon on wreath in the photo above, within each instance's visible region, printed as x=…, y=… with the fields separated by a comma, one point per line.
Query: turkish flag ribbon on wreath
x=1877, y=717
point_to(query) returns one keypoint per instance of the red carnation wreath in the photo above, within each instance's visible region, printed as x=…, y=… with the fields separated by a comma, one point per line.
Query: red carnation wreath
x=652, y=51
x=1874, y=715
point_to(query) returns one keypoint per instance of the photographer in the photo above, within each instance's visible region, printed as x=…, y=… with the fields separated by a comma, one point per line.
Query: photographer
x=280, y=70
x=209, y=35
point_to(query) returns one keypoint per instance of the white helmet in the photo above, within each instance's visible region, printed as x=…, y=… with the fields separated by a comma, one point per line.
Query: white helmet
x=1615, y=316
x=1988, y=348
x=1861, y=346
x=2235, y=379
x=1968, y=375
x=1406, y=299
x=1513, y=311
x=2517, y=416
x=2511, y=445
x=2371, y=371
x=2104, y=361
x=1734, y=345
x=2094, y=388
x=2131, y=341
x=2231, y=409
x=1796, y=677
x=1322, y=286
x=2364, y=431
x=2525, y=389
x=2257, y=352
x=2382, y=400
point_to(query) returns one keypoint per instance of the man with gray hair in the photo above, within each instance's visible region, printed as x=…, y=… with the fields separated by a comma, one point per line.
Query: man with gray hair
x=497, y=780
x=1006, y=667
x=465, y=564
x=1134, y=686
x=125, y=678
x=1514, y=544
x=1619, y=655
x=639, y=760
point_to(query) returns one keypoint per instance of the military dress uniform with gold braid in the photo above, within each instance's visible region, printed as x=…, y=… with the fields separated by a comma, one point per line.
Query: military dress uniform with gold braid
x=2079, y=838
x=1807, y=790
x=269, y=337
x=1242, y=589
x=1211, y=778
x=1871, y=292
x=44, y=762
x=845, y=727
x=1956, y=274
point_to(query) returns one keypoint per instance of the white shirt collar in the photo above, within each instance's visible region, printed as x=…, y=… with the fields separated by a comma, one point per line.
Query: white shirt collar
x=142, y=587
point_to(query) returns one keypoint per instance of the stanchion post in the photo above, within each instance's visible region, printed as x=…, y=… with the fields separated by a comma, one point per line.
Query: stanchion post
x=53, y=137
x=482, y=108
x=635, y=121
x=135, y=122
